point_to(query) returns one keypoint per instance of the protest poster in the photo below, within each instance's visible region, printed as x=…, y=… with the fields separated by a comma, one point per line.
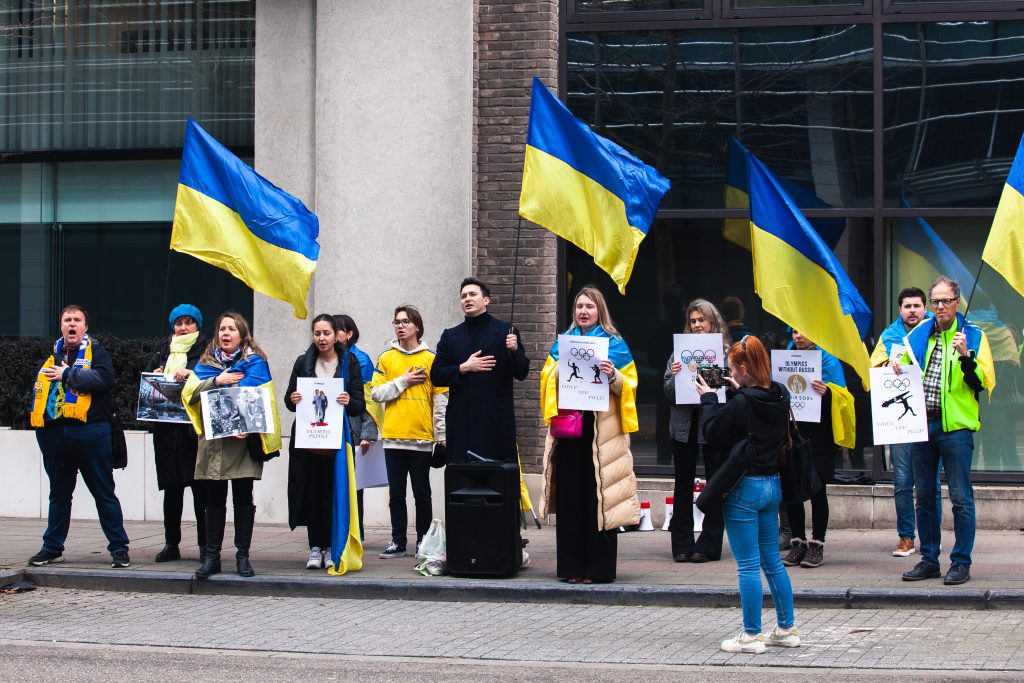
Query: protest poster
x=371, y=471
x=581, y=384
x=232, y=411
x=695, y=351
x=897, y=406
x=160, y=399
x=796, y=370
x=319, y=418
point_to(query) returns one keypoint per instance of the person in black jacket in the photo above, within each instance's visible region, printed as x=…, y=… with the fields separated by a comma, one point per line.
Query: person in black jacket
x=311, y=472
x=175, y=445
x=71, y=410
x=477, y=361
x=757, y=411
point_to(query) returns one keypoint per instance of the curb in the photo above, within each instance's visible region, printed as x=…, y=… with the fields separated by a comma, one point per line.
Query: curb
x=484, y=590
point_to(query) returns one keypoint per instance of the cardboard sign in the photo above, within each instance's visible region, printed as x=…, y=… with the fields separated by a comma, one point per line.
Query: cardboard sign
x=318, y=416
x=695, y=351
x=897, y=406
x=581, y=384
x=796, y=370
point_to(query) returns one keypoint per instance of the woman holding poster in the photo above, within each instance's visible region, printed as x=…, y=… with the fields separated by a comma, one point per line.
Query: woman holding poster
x=835, y=430
x=311, y=473
x=589, y=481
x=687, y=444
x=757, y=411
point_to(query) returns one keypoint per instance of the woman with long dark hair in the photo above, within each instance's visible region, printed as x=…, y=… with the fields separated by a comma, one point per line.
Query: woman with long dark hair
x=310, y=472
x=758, y=410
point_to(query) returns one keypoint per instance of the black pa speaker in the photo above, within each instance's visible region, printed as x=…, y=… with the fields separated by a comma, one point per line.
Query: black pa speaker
x=482, y=519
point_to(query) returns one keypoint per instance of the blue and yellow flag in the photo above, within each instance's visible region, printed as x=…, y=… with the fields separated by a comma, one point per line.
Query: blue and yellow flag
x=1004, y=249
x=229, y=216
x=620, y=356
x=797, y=276
x=586, y=189
x=346, y=545
x=737, y=196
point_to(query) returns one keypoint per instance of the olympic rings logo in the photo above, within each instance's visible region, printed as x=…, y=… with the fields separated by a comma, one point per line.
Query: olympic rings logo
x=897, y=384
x=697, y=356
x=581, y=354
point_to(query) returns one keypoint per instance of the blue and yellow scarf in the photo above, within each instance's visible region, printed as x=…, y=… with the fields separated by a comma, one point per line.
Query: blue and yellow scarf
x=52, y=400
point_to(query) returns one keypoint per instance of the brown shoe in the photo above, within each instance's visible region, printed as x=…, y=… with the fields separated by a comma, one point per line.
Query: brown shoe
x=815, y=556
x=905, y=548
x=797, y=550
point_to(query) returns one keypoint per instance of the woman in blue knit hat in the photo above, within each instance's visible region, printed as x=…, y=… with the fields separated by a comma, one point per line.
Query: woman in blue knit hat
x=175, y=444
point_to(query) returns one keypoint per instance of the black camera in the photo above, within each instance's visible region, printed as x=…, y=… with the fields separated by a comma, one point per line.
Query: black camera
x=713, y=375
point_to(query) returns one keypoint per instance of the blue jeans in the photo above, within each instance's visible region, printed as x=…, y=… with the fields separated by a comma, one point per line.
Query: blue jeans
x=953, y=451
x=903, y=489
x=752, y=523
x=70, y=447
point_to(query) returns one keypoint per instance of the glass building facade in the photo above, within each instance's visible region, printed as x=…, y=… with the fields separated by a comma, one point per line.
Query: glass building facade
x=899, y=119
x=94, y=96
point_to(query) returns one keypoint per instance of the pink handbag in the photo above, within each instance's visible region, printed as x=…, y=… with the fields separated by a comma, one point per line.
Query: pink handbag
x=568, y=424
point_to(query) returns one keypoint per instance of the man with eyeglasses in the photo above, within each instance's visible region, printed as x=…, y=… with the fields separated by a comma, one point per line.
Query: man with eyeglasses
x=912, y=309
x=957, y=364
x=478, y=360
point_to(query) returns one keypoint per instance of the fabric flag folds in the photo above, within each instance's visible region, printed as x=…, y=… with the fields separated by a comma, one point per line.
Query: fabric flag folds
x=346, y=545
x=1004, y=249
x=797, y=276
x=230, y=217
x=586, y=189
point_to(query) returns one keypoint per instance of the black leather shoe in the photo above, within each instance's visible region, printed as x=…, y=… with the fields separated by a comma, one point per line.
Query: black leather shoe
x=957, y=574
x=700, y=558
x=922, y=571
x=682, y=557
x=168, y=554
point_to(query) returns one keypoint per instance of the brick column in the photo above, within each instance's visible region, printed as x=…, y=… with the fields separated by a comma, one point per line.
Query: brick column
x=515, y=41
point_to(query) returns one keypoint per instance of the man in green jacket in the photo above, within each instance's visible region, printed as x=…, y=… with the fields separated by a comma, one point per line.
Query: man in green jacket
x=957, y=364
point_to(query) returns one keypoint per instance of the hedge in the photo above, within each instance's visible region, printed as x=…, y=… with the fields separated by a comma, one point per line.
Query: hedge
x=21, y=358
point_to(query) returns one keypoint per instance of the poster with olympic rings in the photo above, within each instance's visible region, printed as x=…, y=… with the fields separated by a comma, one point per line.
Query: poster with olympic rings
x=581, y=384
x=796, y=370
x=695, y=351
x=897, y=406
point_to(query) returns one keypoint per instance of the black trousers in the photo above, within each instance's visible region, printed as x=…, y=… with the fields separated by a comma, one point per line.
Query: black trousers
x=824, y=465
x=174, y=503
x=217, y=492
x=684, y=461
x=415, y=465
x=318, y=499
x=582, y=550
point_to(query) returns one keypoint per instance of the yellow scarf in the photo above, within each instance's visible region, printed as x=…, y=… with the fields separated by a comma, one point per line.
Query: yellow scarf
x=178, y=358
x=51, y=401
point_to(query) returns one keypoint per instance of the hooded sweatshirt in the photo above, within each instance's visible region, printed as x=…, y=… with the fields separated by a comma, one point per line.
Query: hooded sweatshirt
x=761, y=412
x=413, y=414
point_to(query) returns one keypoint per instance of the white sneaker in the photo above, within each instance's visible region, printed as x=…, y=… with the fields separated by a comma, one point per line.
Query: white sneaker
x=782, y=637
x=327, y=557
x=745, y=642
x=526, y=558
x=316, y=559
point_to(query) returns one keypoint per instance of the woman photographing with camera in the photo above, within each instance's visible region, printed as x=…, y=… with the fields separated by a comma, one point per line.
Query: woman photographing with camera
x=753, y=424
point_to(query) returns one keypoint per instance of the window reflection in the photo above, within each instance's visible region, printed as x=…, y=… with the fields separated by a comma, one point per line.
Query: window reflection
x=635, y=5
x=801, y=96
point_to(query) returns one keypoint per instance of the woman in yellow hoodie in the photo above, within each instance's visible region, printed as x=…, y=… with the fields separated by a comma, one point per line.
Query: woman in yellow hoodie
x=413, y=422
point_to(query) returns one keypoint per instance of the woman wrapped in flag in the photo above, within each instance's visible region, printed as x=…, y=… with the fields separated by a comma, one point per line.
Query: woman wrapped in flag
x=589, y=481
x=232, y=359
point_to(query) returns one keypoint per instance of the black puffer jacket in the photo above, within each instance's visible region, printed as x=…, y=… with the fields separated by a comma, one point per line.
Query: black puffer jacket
x=762, y=413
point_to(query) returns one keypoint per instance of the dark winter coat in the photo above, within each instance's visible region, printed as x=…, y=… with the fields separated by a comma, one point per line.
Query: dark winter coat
x=305, y=366
x=175, y=445
x=481, y=412
x=763, y=413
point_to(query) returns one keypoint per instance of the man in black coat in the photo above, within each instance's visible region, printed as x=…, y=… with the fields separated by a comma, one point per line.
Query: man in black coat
x=477, y=360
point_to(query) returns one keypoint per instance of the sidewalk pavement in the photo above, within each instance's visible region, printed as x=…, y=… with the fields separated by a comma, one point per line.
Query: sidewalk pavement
x=859, y=570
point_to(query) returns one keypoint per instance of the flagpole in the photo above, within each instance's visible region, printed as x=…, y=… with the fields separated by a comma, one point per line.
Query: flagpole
x=167, y=283
x=974, y=287
x=515, y=271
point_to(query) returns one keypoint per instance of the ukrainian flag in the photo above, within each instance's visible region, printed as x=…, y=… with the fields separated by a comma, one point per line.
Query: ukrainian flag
x=586, y=189
x=229, y=216
x=798, y=277
x=346, y=545
x=1004, y=249
x=737, y=196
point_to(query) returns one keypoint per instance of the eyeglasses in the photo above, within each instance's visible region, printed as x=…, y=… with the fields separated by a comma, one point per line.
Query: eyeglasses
x=401, y=323
x=940, y=303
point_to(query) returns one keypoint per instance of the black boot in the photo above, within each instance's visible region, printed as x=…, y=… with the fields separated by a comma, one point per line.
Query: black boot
x=199, y=502
x=214, y=539
x=244, y=519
